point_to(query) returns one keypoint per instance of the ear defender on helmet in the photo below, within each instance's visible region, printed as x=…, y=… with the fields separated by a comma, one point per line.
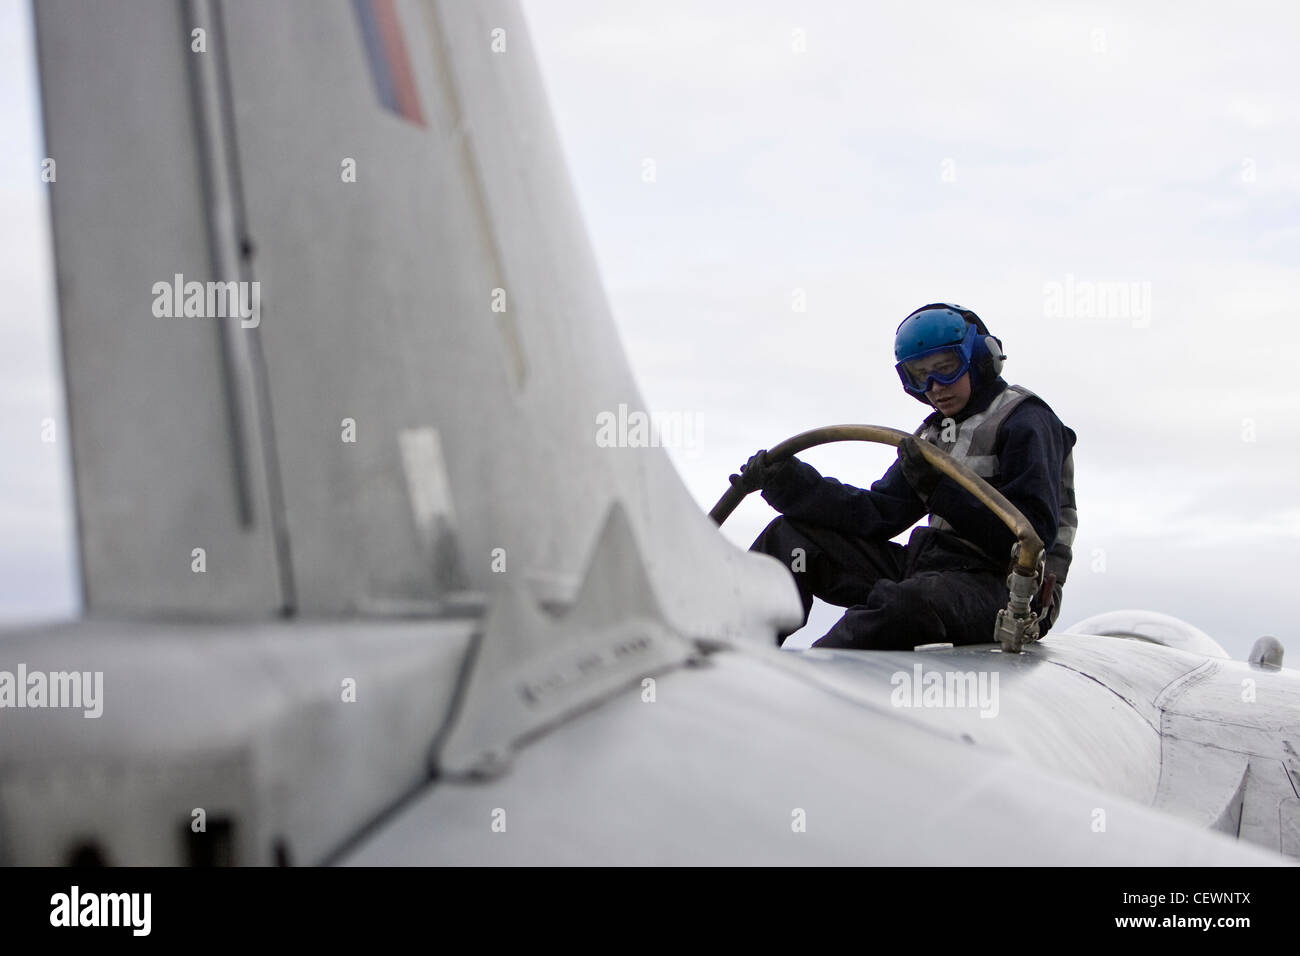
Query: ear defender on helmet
x=993, y=348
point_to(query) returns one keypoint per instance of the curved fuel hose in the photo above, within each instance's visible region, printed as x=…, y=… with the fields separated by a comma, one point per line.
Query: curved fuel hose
x=1017, y=624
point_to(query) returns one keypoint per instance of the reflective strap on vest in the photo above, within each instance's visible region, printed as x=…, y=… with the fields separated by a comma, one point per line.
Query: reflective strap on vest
x=973, y=445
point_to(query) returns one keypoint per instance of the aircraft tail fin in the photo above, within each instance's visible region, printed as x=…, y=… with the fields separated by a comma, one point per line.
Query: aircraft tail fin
x=334, y=337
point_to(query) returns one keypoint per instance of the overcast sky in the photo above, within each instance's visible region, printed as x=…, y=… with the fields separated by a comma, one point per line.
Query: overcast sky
x=1015, y=158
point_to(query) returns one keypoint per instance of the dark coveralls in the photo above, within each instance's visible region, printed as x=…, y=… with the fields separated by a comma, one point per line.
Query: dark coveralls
x=943, y=586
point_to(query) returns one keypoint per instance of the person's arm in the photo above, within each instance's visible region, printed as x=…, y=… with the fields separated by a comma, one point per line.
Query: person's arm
x=798, y=491
x=1030, y=463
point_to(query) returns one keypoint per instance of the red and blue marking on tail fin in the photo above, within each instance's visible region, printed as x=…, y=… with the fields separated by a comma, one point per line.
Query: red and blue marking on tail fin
x=389, y=64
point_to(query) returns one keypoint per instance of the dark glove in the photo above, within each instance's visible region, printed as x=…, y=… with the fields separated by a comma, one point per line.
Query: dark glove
x=754, y=472
x=920, y=474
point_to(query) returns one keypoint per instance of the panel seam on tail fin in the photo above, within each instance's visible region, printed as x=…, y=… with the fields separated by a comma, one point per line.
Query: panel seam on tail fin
x=230, y=250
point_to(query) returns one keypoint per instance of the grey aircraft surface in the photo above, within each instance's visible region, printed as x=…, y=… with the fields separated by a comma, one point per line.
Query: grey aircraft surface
x=363, y=586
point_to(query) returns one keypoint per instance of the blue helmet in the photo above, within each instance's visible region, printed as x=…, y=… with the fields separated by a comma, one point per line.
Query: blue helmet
x=942, y=331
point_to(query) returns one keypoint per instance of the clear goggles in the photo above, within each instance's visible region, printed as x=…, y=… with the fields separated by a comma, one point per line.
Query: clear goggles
x=942, y=366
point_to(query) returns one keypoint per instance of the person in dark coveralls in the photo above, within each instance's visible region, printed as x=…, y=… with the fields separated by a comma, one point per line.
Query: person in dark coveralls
x=949, y=582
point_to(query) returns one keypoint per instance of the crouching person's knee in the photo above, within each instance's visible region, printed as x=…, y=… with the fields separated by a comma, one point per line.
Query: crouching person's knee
x=778, y=538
